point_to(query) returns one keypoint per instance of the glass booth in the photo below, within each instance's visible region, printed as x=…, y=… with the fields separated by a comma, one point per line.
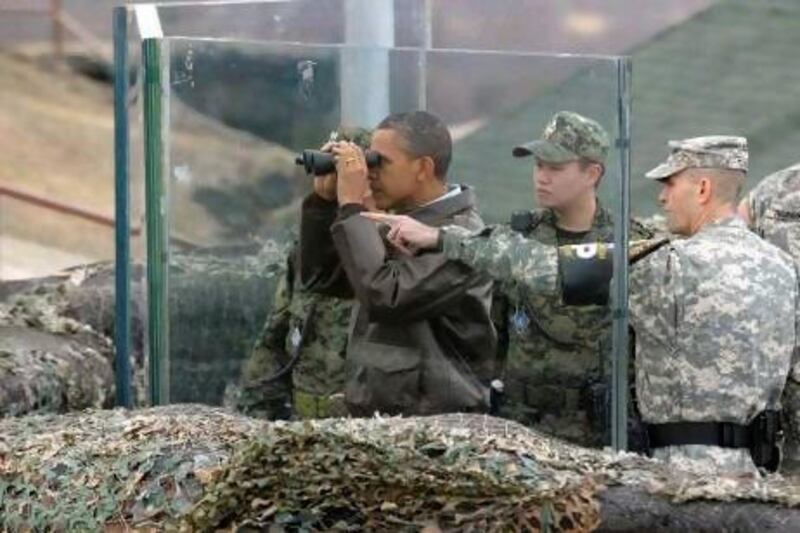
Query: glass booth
x=213, y=178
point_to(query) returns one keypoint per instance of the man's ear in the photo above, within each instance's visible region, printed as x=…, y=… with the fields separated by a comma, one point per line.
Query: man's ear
x=705, y=191
x=427, y=167
x=595, y=171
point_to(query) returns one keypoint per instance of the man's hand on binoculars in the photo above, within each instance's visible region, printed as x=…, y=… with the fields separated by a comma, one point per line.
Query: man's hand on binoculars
x=325, y=185
x=351, y=169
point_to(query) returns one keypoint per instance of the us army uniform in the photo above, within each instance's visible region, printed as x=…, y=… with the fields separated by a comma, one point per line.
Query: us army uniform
x=716, y=314
x=774, y=206
x=556, y=361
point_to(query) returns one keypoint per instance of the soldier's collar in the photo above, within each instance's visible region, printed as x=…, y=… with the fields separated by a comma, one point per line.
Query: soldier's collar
x=730, y=221
x=601, y=215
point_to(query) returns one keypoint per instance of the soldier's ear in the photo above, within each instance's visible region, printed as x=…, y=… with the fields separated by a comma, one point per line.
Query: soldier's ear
x=705, y=190
x=596, y=171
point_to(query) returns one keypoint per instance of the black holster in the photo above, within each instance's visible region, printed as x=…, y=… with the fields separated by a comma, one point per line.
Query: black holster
x=766, y=433
x=496, y=397
x=595, y=399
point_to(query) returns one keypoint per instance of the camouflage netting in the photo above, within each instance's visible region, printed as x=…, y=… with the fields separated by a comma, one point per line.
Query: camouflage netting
x=42, y=372
x=49, y=361
x=82, y=470
x=56, y=353
x=200, y=468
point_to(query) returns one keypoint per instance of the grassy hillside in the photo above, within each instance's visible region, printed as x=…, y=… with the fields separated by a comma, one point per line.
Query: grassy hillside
x=730, y=69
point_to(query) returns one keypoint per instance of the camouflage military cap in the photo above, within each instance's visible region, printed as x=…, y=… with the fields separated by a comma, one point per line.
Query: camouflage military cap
x=712, y=151
x=360, y=136
x=567, y=137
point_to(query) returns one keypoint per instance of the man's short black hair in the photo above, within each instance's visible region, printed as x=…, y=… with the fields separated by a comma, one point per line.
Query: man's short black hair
x=424, y=135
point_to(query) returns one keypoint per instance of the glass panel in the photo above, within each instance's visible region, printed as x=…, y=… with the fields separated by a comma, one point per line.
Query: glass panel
x=402, y=22
x=510, y=104
x=510, y=100
x=137, y=226
x=279, y=20
x=664, y=110
x=569, y=26
x=234, y=115
x=237, y=114
x=7, y=269
x=273, y=20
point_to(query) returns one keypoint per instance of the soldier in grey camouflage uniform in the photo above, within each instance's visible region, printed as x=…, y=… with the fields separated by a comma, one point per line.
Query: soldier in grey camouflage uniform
x=772, y=210
x=296, y=368
x=715, y=314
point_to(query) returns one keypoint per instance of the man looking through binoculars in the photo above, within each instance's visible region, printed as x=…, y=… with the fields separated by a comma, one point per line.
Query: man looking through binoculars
x=421, y=340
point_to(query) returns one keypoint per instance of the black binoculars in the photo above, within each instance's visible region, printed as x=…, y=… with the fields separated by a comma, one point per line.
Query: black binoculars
x=320, y=163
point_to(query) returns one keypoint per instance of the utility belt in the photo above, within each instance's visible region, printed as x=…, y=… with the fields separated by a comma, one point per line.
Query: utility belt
x=762, y=437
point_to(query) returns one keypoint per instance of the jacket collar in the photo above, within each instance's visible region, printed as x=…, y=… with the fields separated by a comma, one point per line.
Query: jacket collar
x=445, y=208
x=731, y=221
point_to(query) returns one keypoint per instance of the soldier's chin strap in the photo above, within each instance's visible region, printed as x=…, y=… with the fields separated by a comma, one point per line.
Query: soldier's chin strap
x=586, y=271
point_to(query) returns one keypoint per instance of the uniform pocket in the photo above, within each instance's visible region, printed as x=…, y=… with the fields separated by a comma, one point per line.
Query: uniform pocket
x=383, y=378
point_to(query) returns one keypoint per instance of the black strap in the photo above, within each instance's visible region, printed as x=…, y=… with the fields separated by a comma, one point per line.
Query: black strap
x=294, y=353
x=723, y=434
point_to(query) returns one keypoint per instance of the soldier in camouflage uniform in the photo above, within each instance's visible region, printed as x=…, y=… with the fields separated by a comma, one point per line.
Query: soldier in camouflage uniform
x=715, y=314
x=296, y=368
x=555, y=367
x=772, y=210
